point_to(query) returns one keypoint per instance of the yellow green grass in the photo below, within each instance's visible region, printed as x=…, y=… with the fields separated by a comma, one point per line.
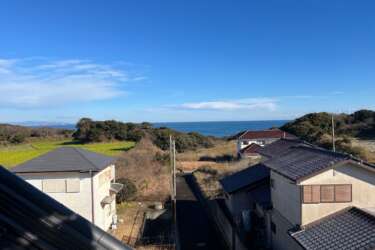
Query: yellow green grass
x=11, y=156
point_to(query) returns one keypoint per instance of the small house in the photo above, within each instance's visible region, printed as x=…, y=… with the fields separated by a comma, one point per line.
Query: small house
x=261, y=138
x=31, y=219
x=317, y=199
x=81, y=180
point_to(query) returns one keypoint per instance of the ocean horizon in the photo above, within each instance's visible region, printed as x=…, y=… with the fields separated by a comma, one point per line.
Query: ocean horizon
x=220, y=128
x=211, y=128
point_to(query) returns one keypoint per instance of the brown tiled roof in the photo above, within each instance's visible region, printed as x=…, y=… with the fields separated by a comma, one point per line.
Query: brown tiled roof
x=266, y=134
x=251, y=149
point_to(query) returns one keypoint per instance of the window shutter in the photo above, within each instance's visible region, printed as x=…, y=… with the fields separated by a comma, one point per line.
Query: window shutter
x=315, y=196
x=54, y=186
x=73, y=185
x=307, y=194
x=327, y=193
x=343, y=193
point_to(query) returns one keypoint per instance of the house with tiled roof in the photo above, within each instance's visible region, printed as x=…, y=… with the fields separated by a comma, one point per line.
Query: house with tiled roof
x=81, y=180
x=315, y=197
x=260, y=138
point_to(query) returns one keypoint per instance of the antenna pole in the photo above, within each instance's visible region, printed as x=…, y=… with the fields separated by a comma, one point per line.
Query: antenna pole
x=333, y=135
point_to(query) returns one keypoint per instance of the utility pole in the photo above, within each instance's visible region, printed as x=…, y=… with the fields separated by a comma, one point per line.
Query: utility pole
x=171, y=164
x=174, y=180
x=333, y=135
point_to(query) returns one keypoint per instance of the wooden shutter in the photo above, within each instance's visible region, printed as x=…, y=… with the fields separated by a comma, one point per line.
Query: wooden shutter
x=315, y=194
x=327, y=193
x=343, y=193
x=307, y=194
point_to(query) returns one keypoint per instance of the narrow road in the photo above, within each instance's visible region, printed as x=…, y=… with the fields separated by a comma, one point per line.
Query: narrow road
x=195, y=229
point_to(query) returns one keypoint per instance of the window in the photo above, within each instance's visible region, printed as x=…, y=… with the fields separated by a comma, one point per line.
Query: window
x=326, y=193
x=54, y=186
x=245, y=142
x=273, y=227
x=73, y=185
x=343, y=193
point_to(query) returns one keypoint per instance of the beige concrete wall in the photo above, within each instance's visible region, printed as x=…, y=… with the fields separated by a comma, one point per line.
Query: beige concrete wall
x=363, y=190
x=79, y=202
x=281, y=240
x=286, y=198
x=103, y=214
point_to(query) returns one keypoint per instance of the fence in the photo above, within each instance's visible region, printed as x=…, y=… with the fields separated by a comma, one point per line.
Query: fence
x=223, y=224
x=150, y=243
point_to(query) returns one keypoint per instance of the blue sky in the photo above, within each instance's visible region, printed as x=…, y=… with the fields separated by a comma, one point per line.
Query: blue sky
x=184, y=60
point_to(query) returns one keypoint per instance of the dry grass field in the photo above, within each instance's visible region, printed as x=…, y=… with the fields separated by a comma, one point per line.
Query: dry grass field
x=369, y=146
x=209, y=165
x=142, y=166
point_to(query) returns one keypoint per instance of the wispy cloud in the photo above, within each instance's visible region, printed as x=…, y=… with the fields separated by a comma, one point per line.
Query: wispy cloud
x=241, y=104
x=33, y=83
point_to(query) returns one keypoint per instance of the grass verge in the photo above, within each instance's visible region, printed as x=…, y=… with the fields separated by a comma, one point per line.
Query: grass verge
x=11, y=156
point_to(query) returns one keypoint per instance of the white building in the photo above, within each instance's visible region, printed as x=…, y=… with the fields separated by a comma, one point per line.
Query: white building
x=261, y=138
x=81, y=180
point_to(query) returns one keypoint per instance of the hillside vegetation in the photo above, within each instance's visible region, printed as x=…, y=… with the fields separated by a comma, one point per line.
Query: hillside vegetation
x=12, y=134
x=89, y=131
x=317, y=128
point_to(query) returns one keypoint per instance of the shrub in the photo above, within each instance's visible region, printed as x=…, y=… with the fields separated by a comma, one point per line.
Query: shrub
x=17, y=138
x=207, y=170
x=128, y=192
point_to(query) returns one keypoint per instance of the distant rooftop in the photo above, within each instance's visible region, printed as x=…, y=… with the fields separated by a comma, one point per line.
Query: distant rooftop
x=253, y=148
x=65, y=159
x=350, y=228
x=266, y=134
x=280, y=147
x=247, y=177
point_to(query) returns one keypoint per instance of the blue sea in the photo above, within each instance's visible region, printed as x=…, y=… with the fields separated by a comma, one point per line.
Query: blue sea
x=218, y=129
x=221, y=129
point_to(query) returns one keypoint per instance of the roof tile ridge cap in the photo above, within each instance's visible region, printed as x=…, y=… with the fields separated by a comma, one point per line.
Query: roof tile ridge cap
x=323, y=150
x=84, y=157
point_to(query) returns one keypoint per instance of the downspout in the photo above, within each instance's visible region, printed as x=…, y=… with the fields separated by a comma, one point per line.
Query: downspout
x=92, y=198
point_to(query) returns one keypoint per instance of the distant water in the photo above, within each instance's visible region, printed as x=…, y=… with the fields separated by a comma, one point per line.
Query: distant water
x=221, y=129
x=218, y=129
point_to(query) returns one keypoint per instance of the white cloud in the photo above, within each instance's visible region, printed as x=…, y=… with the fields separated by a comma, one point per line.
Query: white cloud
x=244, y=104
x=35, y=83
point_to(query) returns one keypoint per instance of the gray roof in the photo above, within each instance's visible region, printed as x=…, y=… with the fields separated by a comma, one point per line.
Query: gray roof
x=280, y=147
x=245, y=178
x=302, y=161
x=350, y=228
x=65, y=159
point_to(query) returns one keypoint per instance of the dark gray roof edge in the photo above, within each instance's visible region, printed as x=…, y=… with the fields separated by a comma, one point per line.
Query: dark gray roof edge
x=261, y=180
x=55, y=171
